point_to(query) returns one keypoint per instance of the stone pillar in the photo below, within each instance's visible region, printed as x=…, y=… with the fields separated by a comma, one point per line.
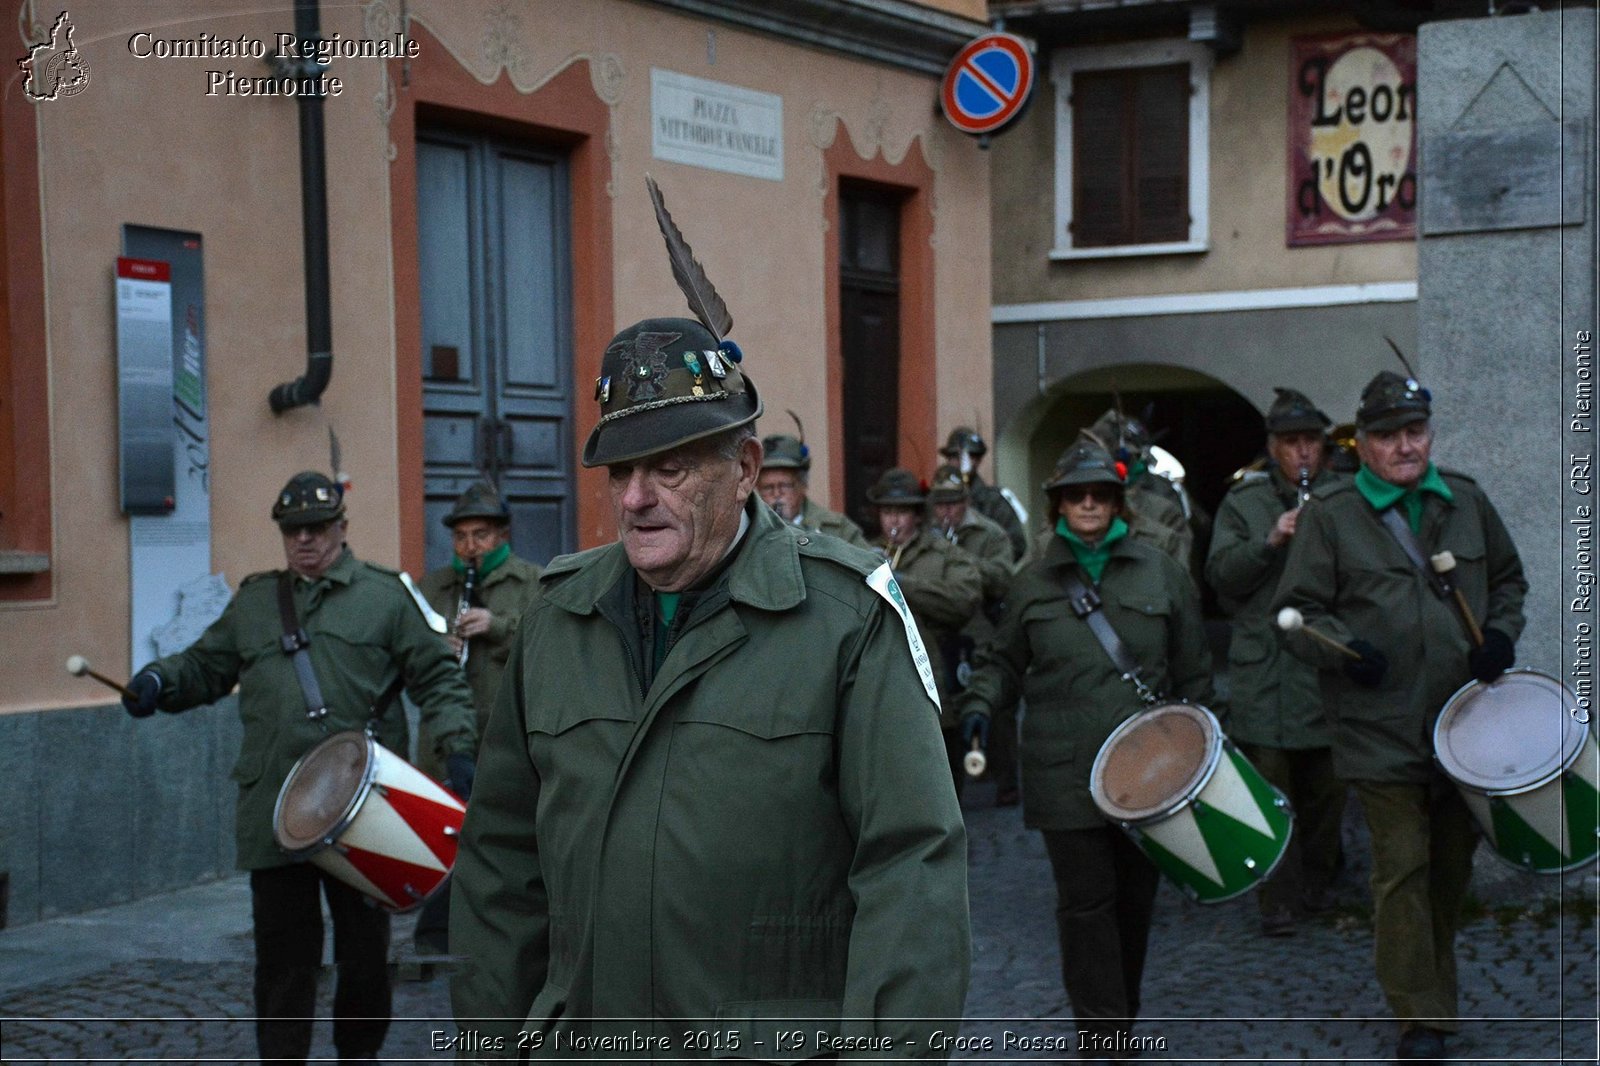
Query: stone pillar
x=1506, y=271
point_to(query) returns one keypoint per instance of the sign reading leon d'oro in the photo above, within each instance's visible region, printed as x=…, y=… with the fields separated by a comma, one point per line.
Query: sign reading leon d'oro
x=1352, y=138
x=717, y=126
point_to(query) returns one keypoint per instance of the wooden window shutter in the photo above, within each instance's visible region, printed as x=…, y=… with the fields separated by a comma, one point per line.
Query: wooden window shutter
x=1130, y=156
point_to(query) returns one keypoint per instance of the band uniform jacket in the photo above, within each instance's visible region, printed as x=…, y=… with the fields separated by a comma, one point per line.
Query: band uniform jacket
x=990, y=502
x=1351, y=580
x=365, y=631
x=1159, y=519
x=944, y=588
x=505, y=593
x=769, y=832
x=819, y=519
x=1274, y=698
x=1075, y=696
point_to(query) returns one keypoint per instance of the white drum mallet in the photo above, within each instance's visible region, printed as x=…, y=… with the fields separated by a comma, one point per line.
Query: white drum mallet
x=1290, y=620
x=78, y=666
x=974, y=761
x=1444, y=565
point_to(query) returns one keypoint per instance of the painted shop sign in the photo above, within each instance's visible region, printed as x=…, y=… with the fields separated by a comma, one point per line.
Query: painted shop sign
x=1352, y=138
x=714, y=125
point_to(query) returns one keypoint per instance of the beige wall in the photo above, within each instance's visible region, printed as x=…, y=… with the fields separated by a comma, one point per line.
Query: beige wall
x=143, y=144
x=1248, y=178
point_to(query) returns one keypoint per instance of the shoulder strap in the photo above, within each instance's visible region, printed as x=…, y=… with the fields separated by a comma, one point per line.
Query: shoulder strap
x=1085, y=604
x=294, y=644
x=1397, y=527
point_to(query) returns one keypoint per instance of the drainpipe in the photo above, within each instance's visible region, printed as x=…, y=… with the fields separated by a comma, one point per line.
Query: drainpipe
x=307, y=389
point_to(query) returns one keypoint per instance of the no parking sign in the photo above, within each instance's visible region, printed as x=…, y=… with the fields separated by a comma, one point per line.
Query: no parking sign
x=987, y=84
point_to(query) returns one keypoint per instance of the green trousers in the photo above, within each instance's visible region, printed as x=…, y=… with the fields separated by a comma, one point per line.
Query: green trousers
x=1423, y=837
x=1311, y=861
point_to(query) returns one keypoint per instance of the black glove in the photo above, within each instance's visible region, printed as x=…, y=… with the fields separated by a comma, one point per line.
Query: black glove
x=459, y=770
x=140, y=699
x=975, y=724
x=1491, y=660
x=1368, y=670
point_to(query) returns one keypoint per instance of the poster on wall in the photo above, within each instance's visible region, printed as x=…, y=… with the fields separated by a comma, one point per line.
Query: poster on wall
x=1352, y=138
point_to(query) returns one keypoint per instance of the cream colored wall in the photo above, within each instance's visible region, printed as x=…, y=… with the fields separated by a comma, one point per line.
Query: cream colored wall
x=143, y=144
x=1248, y=179
x=972, y=9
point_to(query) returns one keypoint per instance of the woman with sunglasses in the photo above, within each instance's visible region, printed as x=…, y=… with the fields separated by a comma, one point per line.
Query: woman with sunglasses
x=1046, y=652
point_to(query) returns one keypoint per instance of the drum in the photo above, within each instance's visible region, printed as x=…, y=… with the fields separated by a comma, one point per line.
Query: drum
x=1197, y=807
x=1522, y=754
x=369, y=818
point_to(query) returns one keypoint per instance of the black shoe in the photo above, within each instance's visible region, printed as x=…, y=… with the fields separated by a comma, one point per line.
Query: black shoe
x=1420, y=1044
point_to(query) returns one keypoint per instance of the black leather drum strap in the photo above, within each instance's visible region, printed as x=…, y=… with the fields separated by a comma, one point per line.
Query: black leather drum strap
x=1085, y=604
x=1397, y=527
x=294, y=644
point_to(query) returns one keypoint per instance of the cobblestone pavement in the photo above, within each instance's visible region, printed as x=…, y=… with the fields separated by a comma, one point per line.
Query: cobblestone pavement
x=173, y=975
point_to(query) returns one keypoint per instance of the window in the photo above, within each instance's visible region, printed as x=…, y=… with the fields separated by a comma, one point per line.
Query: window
x=1131, y=149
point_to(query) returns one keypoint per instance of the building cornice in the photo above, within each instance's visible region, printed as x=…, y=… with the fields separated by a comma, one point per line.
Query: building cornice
x=894, y=32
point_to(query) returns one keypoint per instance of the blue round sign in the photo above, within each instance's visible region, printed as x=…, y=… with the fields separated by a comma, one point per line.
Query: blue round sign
x=987, y=84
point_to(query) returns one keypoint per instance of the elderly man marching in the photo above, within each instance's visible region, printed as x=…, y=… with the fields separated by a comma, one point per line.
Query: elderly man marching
x=942, y=584
x=783, y=484
x=1358, y=573
x=1274, y=698
x=712, y=797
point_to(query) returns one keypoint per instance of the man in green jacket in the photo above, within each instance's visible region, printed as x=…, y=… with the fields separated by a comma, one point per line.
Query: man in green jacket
x=365, y=634
x=964, y=449
x=982, y=538
x=483, y=591
x=1159, y=514
x=942, y=585
x=785, y=473
x=713, y=816
x=1274, y=697
x=1351, y=579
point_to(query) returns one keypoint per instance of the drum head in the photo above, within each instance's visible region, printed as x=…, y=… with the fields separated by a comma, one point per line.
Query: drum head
x=1155, y=761
x=1508, y=736
x=322, y=791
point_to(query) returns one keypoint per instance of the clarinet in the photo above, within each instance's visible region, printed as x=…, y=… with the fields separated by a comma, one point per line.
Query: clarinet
x=468, y=588
x=1305, y=485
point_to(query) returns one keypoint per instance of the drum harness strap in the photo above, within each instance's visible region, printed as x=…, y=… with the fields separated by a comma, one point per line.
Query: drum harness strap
x=295, y=643
x=1085, y=603
x=1397, y=527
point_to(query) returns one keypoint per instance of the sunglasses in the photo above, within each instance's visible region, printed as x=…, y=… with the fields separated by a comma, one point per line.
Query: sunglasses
x=1099, y=493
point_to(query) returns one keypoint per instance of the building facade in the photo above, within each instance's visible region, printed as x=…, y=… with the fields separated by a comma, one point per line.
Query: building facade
x=174, y=348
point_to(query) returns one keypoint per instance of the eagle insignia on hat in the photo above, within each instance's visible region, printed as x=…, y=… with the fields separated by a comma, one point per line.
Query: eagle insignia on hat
x=645, y=368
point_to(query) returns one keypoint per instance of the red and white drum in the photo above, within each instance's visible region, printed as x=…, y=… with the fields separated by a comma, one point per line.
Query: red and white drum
x=369, y=818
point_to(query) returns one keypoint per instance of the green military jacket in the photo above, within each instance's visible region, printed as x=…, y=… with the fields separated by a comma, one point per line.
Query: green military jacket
x=768, y=832
x=1158, y=518
x=1046, y=654
x=1274, y=698
x=505, y=594
x=365, y=631
x=944, y=588
x=819, y=519
x=1351, y=580
x=983, y=539
x=990, y=502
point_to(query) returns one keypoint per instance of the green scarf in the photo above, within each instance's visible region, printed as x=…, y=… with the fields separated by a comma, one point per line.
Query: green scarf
x=666, y=611
x=1383, y=495
x=486, y=564
x=1093, y=560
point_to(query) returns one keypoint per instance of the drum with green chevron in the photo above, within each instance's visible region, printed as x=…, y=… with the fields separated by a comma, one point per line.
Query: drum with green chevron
x=1197, y=807
x=1522, y=752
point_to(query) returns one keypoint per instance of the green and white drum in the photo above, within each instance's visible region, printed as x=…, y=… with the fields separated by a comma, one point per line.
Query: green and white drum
x=1522, y=753
x=1197, y=807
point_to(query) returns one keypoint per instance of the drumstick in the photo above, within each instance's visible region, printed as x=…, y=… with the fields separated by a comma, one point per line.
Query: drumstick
x=78, y=666
x=975, y=760
x=1290, y=620
x=1445, y=563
